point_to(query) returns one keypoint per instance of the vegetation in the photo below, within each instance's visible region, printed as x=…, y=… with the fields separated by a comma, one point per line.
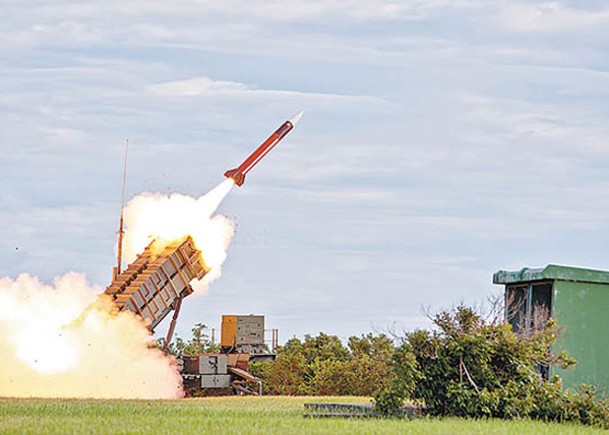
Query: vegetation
x=199, y=343
x=238, y=415
x=471, y=367
x=467, y=366
x=322, y=365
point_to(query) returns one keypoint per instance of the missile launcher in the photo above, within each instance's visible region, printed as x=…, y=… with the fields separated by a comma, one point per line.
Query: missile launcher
x=156, y=282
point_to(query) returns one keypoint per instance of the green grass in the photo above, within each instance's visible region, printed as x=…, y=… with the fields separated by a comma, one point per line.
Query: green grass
x=238, y=415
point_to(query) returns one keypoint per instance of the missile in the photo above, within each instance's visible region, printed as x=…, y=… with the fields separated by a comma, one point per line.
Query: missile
x=238, y=174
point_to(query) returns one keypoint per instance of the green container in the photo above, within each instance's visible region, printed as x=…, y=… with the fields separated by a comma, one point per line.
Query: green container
x=579, y=300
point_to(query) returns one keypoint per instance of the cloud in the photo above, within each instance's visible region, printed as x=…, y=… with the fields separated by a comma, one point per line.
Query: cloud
x=205, y=86
x=238, y=26
x=547, y=17
x=269, y=10
x=544, y=128
x=195, y=86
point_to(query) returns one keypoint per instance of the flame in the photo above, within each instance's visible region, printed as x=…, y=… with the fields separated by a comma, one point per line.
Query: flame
x=63, y=340
x=166, y=218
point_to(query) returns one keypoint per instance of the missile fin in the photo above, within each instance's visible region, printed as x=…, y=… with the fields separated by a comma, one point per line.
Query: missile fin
x=237, y=176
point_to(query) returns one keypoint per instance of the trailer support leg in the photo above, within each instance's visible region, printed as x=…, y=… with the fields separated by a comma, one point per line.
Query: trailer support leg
x=172, y=325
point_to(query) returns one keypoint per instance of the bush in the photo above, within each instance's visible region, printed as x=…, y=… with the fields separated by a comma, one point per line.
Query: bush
x=389, y=401
x=470, y=367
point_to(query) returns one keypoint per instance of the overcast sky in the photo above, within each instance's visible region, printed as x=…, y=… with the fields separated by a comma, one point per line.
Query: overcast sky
x=442, y=140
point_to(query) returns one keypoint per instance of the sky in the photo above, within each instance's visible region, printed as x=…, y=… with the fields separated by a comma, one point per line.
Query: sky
x=442, y=141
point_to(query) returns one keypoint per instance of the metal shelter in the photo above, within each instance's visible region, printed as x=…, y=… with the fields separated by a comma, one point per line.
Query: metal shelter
x=579, y=300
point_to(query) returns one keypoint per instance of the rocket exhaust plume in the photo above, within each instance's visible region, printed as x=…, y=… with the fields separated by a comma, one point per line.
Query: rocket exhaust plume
x=167, y=218
x=67, y=340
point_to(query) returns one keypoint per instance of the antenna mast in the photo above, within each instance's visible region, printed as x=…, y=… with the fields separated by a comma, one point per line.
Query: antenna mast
x=121, y=232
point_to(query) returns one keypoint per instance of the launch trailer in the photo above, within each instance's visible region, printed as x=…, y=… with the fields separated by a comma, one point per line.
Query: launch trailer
x=156, y=283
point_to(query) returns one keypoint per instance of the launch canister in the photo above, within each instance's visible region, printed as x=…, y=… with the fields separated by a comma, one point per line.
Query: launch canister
x=238, y=174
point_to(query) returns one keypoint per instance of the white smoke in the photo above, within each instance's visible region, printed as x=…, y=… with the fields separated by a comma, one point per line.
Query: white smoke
x=62, y=340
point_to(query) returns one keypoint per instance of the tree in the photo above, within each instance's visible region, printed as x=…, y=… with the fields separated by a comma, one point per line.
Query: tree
x=373, y=346
x=199, y=343
x=370, y=367
x=323, y=365
x=323, y=346
x=285, y=375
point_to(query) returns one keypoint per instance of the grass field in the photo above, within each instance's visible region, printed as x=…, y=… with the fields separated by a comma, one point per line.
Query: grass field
x=238, y=415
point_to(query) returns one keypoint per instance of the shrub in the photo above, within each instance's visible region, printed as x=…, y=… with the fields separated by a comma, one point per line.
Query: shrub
x=389, y=401
x=471, y=367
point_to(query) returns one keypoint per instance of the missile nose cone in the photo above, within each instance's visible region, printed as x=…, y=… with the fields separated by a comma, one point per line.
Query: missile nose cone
x=294, y=119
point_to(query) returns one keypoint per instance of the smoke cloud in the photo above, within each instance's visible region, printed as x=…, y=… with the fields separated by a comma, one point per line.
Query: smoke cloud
x=63, y=340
